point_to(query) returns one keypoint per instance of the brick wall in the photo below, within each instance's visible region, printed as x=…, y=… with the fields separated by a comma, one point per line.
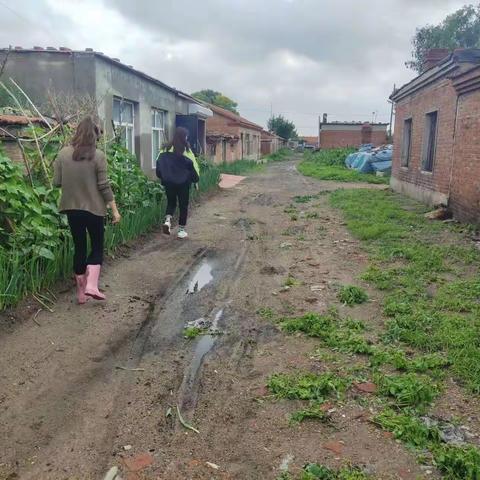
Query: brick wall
x=439, y=97
x=465, y=188
x=348, y=138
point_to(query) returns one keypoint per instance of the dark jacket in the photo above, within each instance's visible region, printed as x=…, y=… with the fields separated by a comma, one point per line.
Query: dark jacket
x=173, y=169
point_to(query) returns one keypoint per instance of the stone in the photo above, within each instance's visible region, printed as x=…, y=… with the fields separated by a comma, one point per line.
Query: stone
x=334, y=446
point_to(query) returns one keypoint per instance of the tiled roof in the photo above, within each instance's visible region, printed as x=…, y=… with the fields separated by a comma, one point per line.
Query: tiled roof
x=19, y=120
x=233, y=116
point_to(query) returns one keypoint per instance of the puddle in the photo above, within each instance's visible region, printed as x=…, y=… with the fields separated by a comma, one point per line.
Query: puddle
x=201, y=279
x=204, y=345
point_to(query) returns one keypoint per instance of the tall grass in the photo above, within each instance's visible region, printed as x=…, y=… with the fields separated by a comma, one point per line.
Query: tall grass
x=243, y=166
x=20, y=276
x=330, y=165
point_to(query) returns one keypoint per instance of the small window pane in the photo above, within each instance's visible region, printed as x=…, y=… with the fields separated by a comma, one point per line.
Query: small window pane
x=116, y=110
x=430, y=140
x=407, y=141
x=127, y=112
x=155, y=144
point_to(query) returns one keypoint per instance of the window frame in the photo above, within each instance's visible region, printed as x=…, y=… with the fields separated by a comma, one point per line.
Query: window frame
x=406, y=153
x=429, y=149
x=129, y=126
x=160, y=130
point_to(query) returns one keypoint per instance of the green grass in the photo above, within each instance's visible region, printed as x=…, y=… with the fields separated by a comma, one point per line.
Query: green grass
x=330, y=165
x=307, y=386
x=337, y=333
x=455, y=462
x=352, y=295
x=319, y=472
x=408, y=390
x=241, y=167
x=193, y=332
x=410, y=259
x=314, y=411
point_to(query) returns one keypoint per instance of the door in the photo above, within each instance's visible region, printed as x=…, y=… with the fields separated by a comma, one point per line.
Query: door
x=224, y=151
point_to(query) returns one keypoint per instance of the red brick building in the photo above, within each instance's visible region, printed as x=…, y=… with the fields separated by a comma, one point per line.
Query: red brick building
x=436, y=154
x=271, y=143
x=231, y=137
x=351, y=134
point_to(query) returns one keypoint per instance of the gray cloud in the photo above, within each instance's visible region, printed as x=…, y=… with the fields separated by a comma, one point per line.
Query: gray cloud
x=301, y=57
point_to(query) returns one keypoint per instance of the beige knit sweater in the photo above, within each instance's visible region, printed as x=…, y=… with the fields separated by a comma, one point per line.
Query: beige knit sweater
x=84, y=183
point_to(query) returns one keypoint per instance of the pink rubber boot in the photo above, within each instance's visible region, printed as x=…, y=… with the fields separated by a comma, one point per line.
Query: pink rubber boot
x=93, y=274
x=81, y=284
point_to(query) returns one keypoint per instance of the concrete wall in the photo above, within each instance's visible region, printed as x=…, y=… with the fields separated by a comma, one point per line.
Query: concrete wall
x=439, y=97
x=60, y=72
x=114, y=81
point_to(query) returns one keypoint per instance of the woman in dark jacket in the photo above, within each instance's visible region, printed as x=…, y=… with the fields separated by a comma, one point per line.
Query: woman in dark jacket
x=177, y=173
x=81, y=172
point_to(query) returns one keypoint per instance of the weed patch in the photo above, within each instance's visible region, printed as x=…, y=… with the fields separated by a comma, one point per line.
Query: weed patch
x=408, y=390
x=307, y=386
x=352, y=295
x=315, y=411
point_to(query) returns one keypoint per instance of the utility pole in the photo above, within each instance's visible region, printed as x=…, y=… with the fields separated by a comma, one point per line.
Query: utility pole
x=391, y=114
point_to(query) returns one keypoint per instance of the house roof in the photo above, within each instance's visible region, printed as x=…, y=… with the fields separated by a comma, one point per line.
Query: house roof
x=310, y=140
x=458, y=62
x=20, y=120
x=106, y=58
x=234, y=117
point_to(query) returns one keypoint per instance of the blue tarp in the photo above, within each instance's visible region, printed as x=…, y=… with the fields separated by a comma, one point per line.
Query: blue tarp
x=385, y=167
x=368, y=160
x=350, y=159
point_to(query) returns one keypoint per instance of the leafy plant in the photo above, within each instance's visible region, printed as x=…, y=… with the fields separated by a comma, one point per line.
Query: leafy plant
x=352, y=295
x=307, y=386
x=193, y=332
x=408, y=390
x=314, y=411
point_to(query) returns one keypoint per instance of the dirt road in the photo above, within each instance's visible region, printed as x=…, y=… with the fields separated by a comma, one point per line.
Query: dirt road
x=85, y=389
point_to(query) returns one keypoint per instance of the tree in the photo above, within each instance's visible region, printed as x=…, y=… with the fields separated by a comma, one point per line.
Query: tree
x=461, y=29
x=282, y=127
x=216, y=98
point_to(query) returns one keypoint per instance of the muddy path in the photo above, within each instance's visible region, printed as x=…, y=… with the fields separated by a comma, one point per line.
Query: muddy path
x=85, y=389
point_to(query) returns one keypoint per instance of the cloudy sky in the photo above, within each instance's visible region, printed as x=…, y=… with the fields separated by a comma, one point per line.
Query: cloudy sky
x=296, y=57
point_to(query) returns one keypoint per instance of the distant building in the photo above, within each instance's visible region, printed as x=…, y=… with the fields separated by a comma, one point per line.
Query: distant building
x=271, y=143
x=351, y=134
x=231, y=137
x=309, y=142
x=144, y=109
x=436, y=154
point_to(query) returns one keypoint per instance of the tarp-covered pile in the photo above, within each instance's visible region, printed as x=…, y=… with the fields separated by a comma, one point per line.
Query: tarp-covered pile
x=371, y=160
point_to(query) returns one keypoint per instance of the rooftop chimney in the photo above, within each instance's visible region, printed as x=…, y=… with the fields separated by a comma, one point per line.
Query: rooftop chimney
x=434, y=56
x=325, y=118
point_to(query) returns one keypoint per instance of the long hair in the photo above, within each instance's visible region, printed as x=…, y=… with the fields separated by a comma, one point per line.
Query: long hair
x=179, y=142
x=85, y=140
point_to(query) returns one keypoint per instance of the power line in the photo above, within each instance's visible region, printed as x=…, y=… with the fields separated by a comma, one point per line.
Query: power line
x=28, y=21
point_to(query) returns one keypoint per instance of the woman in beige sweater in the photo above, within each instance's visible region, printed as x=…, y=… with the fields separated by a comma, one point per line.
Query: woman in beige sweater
x=81, y=172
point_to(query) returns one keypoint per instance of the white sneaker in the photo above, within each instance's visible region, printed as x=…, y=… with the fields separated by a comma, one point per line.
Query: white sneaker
x=167, y=226
x=182, y=234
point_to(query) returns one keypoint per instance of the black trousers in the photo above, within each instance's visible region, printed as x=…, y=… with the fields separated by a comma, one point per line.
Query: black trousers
x=180, y=193
x=82, y=222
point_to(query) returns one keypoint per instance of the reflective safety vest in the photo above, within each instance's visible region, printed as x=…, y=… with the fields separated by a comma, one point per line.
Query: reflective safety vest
x=189, y=154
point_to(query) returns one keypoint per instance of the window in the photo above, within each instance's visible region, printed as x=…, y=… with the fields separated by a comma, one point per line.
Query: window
x=429, y=142
x=123, y=118
x=158, y=132
x=407, y=142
